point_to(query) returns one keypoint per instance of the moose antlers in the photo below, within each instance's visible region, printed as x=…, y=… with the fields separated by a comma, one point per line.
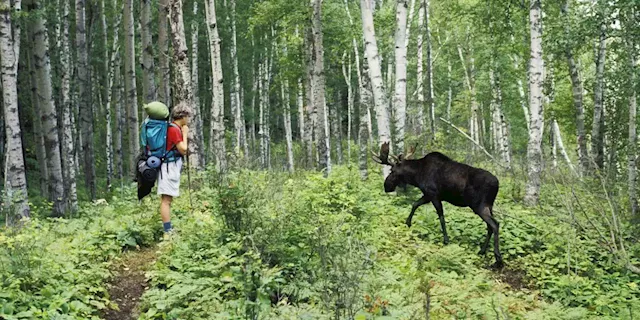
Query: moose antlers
x=383, y=156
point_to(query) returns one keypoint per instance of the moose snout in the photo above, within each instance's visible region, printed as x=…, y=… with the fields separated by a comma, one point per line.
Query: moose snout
x=389, y=186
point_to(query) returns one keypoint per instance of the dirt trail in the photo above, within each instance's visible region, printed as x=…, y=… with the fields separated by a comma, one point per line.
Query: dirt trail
x=129, y=283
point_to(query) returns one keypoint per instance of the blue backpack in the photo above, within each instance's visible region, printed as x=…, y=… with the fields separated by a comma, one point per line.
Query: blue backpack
x=153, y=140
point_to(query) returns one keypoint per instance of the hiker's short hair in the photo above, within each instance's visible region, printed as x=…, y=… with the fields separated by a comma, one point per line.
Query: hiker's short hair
x=181, y=111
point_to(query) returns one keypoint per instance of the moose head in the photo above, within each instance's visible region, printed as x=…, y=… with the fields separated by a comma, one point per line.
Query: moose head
x=400, y=171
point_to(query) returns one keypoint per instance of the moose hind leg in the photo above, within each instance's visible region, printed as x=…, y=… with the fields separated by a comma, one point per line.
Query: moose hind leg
x=415, y=207
x=485, y=213
x=483, y=249
x=438, y=206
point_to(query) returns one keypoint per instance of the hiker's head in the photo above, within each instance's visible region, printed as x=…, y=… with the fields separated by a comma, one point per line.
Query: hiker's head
x=181, y=114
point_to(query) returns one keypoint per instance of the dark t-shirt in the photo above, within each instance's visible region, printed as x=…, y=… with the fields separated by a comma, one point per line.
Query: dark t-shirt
x=174, y=136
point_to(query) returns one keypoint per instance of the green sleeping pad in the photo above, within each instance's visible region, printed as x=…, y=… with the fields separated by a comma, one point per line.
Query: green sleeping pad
x=157, y=110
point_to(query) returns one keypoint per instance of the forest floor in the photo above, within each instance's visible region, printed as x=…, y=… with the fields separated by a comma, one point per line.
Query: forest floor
x=129, y=283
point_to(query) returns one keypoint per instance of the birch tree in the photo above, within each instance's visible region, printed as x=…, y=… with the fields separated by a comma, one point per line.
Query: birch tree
x=429, y=64
x=419, y=70
x=474, y=125
x=15, y=186
x=400, y=92
x=236, y=103
x=41, y=152
x=346, y=72
x=320, y=103
x=377, y=84
x=632, y=165
x=49, y=118
x=365, y=99
x=577, y=90
x=86, y=112
x=148, y=65
x=199, y=160
x=597, y=128
x=68, y=147
x=217, y=148
x=163, y=56
x=536, y=67
x=130, y=85
x=286, y=115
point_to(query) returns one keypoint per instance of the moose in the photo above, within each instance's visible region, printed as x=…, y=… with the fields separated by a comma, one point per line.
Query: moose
x=442, y=179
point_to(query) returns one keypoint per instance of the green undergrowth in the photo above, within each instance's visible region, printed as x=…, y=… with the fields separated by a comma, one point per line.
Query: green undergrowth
x=273, y=246
x=57, y=268
x=258, y=245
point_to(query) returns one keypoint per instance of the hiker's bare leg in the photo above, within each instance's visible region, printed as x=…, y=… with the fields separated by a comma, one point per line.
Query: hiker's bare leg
x=165, y=208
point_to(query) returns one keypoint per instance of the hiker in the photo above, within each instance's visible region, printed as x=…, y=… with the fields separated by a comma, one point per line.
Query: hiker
x=169, y=175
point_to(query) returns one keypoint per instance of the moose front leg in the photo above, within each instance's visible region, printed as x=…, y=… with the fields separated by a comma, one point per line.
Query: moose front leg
x=438, y=205
x=416, y=205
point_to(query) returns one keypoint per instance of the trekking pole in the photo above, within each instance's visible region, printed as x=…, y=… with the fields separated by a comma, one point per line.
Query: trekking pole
x=189, y=180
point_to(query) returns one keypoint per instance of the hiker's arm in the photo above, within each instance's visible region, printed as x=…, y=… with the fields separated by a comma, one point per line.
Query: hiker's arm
x=182, y=145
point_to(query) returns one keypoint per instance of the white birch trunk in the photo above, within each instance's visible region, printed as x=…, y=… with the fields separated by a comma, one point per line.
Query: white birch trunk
x=310, y=130
x=560, y=145
x=301, y=113
x=236, y=105
x=597, y=128
x=198, y=162
x=320, y=103
x=632, y=166
x=48, y=109
x=358, y=71
x=430, y=94
x=15, y=186
x=287, y=124
x=346, y=72
x=41, y=152
x=164, y=94
x=536, y=69
x=412, y=7
x=109, y=71
x=366, y=99
x=183, y=88
x=400, y=92
x=254, y=94
x=130, y=86
x=379, y=96
x=420, y=71
x=148, y=65
x=68, y=148
x=85, y=113
x=261, y=124
x=217, y=149
x=120, y=123
x=577, y=89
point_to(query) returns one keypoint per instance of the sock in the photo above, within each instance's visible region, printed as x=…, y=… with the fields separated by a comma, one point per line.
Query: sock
x=167, y=226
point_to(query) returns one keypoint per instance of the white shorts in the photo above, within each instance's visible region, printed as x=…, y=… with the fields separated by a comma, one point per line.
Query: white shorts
x=169, y=178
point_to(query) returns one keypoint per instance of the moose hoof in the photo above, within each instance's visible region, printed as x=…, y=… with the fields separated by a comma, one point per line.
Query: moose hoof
x=482, y=252
x=446, y=241
x=408, y=223
x=498, y=265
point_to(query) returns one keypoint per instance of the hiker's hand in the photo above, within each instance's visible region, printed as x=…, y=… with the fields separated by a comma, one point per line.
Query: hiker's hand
x=185, y=131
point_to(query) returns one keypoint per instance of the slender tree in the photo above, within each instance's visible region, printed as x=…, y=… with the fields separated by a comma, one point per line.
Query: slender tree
x=15, y=186
x=45, y=101
x=430, y=95
x=148, y=65
x=597, y=128
x=536, y=67
x=198, y=143
x=400, y=92
x=41, y=151
x=419, y=71
x=320, y=104
x=577, y=89
x=84, y=92
x=163, y=52
x=236, y=103
x=130, y=85
x=69, y=164
x=379, y=96
x=217, y=149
